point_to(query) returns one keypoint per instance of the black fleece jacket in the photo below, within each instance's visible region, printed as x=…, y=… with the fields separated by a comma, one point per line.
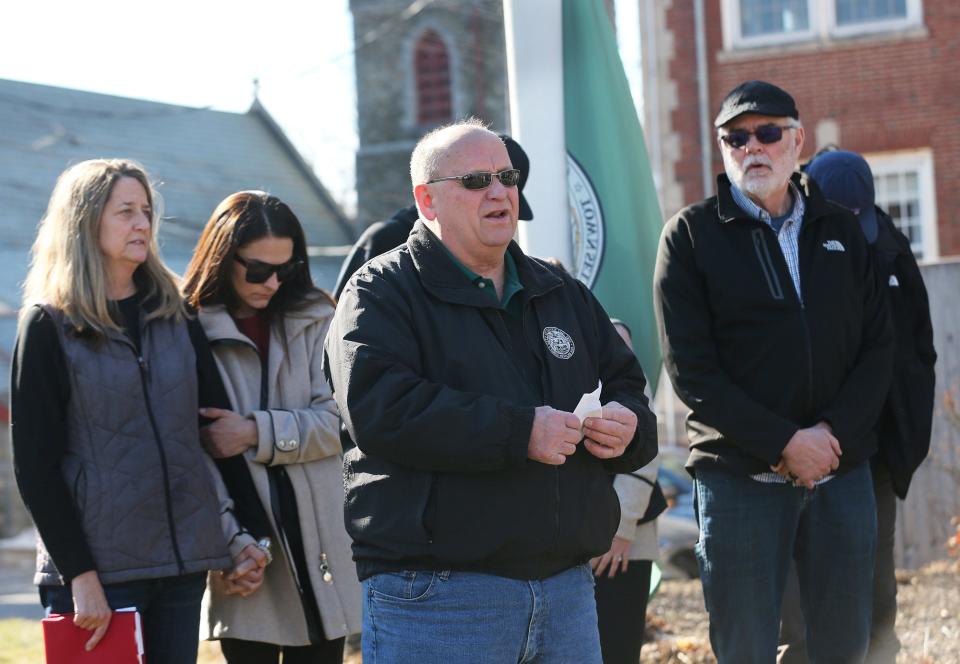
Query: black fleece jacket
x=424, y=367
x=754, y=362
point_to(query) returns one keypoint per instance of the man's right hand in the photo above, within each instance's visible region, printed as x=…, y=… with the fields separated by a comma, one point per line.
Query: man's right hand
x=90, y=608
x=554, y=436
x=811, y=454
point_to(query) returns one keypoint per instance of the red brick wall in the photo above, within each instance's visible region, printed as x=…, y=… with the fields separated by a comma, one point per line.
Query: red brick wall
x=885, y=93
x=685, y=119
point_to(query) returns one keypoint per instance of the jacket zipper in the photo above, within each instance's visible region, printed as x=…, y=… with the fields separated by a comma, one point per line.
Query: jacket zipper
x=806, y=333
x=808, y=345
x=142, y=366
x=773, y=283
x=556, y=469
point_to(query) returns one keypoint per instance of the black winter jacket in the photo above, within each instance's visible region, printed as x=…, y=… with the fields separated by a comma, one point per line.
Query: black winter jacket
x=422, y=368
x=903, y=430
x=379, y=238
x=752, y=361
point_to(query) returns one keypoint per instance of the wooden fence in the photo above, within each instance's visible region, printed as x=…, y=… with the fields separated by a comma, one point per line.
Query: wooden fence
x=923, y=520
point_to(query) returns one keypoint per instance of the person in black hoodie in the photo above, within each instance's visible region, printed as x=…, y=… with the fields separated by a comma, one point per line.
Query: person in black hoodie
x=776, y=334
x=474, y=498
x=903, y=430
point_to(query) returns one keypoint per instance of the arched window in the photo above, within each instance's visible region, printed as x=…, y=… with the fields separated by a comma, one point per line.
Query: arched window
x=432, y=67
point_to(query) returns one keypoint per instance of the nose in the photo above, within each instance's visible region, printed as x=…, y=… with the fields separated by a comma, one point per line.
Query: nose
x=142, y=221
x=753, y=144
x=496, y=190
x=273, y=283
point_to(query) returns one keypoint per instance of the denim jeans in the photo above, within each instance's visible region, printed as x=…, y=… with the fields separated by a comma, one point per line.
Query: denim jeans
x=169, y=612
x=750, y=531
x=884, y=643
x=442, y=617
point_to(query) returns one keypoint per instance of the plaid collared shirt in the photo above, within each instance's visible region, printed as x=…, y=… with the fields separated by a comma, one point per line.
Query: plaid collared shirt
x=789, y=234
x=788, y=237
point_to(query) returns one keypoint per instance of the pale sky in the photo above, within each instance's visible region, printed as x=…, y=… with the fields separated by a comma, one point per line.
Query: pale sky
x=207, y=53
x=203, y=53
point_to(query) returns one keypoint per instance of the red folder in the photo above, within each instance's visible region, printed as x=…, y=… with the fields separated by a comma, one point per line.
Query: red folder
x=64, y=642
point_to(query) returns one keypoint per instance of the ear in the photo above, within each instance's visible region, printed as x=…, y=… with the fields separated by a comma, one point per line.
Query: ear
x=424, y=199
x=799, y=139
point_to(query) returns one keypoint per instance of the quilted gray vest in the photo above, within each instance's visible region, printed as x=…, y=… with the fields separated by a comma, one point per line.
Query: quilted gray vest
x=134, y=462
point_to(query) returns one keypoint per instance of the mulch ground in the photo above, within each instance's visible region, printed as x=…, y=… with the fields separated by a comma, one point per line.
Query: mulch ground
x=928, y=619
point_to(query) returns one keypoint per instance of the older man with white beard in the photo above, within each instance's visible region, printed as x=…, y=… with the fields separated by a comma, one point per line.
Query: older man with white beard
x=776, y=335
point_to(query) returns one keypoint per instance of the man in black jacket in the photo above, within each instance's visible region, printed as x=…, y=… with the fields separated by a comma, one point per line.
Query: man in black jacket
x=474, y=499
x=381, y=237
x=776, y=335
x=903, y=430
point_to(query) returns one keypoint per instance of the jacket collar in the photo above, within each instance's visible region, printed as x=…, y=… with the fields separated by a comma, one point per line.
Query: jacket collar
x=442, y=278
x=219, y=325
x=816, y=204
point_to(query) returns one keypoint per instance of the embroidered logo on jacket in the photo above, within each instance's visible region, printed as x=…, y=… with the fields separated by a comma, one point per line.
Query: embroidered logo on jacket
x=833, y=245
x=558, y=342
x=893, y=281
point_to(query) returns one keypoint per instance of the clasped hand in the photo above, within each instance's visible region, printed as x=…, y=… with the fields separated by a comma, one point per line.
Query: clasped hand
x=556, y=433
x=810, y=455
x=247, y=572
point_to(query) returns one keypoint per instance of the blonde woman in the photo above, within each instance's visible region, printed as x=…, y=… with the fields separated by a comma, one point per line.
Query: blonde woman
x=250, y=282
x=106, y=380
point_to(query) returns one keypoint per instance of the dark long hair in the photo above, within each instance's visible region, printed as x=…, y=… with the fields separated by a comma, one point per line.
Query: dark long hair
x=240, y=219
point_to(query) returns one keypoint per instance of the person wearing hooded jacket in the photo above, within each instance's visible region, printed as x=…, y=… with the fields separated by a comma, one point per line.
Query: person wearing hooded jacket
x=903, y=428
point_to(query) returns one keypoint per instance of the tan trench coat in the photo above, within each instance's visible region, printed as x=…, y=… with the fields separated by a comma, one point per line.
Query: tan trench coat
x=300, y=430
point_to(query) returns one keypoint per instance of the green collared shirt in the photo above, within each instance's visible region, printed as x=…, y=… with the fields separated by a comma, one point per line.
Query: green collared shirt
x=511, y=283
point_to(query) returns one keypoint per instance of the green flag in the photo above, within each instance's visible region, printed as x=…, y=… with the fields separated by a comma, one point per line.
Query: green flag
x=614, y=211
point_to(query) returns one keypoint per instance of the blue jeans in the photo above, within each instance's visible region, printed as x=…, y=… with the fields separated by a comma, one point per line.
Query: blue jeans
x=750, y=531
x=169, y=612
x=470, y=618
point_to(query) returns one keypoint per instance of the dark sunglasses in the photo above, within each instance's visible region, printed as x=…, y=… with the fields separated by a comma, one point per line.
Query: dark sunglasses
x=508, y=178
x=258, y=271
x=766, y=134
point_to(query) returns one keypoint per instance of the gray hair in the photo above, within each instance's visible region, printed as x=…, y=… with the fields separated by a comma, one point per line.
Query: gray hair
x=426, y=156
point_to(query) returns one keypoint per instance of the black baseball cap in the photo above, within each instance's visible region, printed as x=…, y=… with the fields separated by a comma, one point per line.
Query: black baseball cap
x=521, y=162
x=757, y=97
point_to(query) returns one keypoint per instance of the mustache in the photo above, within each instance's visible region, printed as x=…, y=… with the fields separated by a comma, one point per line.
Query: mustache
x=757, y=160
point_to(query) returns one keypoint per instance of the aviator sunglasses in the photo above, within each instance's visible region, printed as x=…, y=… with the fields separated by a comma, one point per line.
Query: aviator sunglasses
x=473, y=181
x=258, y=271
x=765, y=134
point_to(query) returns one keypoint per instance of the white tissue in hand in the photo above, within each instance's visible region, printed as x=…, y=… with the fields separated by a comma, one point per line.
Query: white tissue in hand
x=589, y=405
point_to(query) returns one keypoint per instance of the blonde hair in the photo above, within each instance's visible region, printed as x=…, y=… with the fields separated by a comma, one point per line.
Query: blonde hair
x=67, y=269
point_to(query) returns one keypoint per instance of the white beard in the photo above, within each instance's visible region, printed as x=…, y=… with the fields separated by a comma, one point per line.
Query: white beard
x=759, y=183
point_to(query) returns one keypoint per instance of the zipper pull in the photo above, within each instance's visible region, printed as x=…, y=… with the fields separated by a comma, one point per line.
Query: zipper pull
x=325, y=568
x=143, y=365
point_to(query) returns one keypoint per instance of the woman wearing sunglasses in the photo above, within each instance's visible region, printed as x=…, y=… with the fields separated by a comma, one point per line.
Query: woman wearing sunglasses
x=107, y=375
x=250, y=281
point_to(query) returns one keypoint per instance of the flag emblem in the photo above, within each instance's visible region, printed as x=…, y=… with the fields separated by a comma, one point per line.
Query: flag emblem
x=586, y=220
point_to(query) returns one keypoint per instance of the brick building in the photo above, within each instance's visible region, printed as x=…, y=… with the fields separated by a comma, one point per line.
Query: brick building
x=880, y=77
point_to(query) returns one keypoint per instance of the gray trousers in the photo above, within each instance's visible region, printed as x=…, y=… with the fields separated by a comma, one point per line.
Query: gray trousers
x=884, y=643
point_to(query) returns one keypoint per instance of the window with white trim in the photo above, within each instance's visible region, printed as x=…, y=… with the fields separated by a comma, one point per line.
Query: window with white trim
x=752, y=23
x=905, y=188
